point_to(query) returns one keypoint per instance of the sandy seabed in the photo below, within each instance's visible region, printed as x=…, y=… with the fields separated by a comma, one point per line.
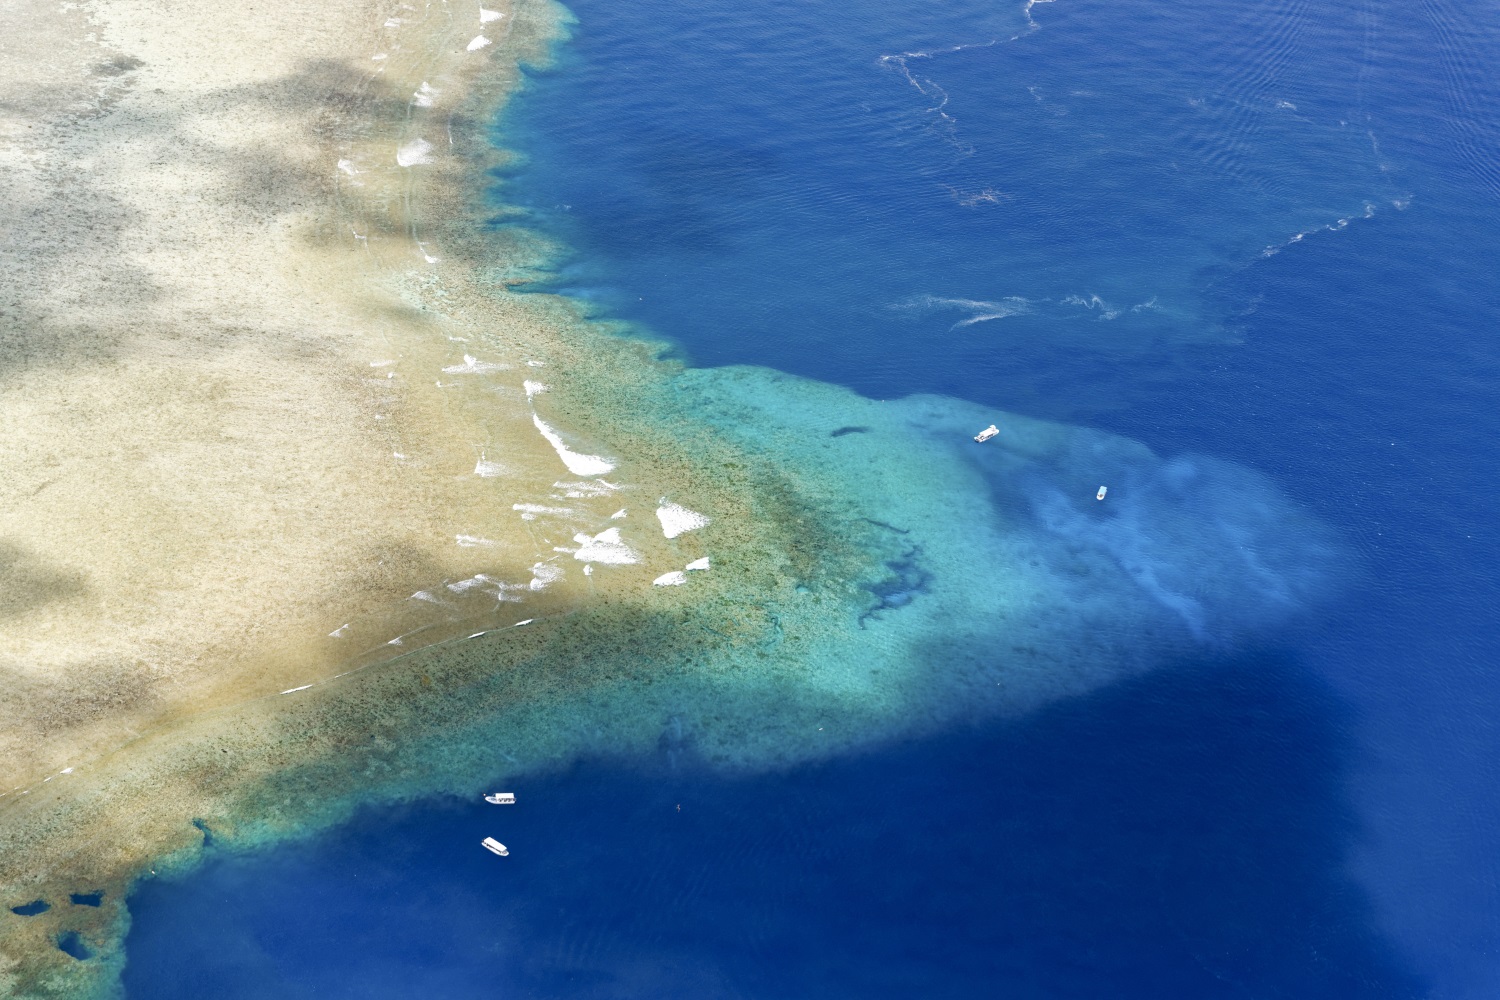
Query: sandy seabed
x=303, y=506
x=238, y=428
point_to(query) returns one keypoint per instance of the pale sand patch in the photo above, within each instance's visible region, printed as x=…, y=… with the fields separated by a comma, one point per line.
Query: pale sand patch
x=202, y=469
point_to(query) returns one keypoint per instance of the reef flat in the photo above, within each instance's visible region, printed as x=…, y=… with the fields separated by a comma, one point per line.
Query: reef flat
x=305, y=507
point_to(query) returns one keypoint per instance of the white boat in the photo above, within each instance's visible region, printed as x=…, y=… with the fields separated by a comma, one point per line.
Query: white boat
x=495, y=847
x=1100, y=495
x=501, y=798
x=987, y=433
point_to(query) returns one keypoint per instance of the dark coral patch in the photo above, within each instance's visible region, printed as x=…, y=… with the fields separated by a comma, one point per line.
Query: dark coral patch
x=69, y=943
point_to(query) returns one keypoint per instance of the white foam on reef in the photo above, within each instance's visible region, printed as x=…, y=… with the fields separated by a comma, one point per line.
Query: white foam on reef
x=425, y=95
x=486, y=584
x=543, y=575
x=414, y=153
x=486, y=16
x=473, y=366
x=576, y=463
x=676, y=520
x=487, y=469
x=698, y=564
x=676, y=578
x=606, y=547
x=533, y=509
x=472, y=541
x=478, y=43
x=586, y=489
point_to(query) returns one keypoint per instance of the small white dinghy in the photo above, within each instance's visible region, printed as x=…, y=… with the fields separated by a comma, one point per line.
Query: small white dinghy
x=1100, y=495
x=987, y=433
x=501, y=798
x=495, y=847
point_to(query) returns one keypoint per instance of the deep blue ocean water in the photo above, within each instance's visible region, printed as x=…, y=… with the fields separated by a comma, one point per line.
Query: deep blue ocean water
x=1265, y=232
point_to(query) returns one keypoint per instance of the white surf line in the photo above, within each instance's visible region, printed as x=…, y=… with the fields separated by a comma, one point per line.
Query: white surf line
x=606, y=547
x=473, y=366
x=1031, y=24
x=544, y=575
x=472, y=541
x=584, y=489
x=414, y=153
x=579, y=464
x=295, y=690
x=486, y=468
x=678, y=577
x=1331, y=227
x=576, y=463
x=399, y=640
x=529, y=511
x=501, y=628
x=677, y=520
x=369, y=666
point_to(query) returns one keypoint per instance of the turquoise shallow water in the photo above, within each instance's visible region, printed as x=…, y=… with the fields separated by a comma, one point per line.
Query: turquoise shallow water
x=1257, y=233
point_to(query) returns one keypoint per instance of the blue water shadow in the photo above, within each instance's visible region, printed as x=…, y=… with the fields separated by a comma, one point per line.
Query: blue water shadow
x=1182, y=835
